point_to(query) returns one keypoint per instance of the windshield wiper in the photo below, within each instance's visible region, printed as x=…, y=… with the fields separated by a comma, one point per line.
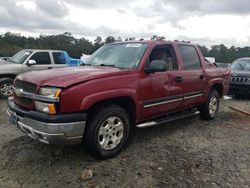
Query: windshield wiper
x=86, y=64
x=241, y=66
x=106, y=65
x=9, y=60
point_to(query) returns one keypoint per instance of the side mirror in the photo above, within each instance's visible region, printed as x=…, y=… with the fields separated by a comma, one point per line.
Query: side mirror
x=31, y=62
x=156, y=66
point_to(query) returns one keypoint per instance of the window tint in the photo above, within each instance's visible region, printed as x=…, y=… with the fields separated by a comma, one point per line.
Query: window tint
x=59, y=58
x=164, y=53
x=41, y=58
x=189, y=57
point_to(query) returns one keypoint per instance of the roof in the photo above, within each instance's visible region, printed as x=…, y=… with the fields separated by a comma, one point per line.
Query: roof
x=46, y=50
x=157, y=42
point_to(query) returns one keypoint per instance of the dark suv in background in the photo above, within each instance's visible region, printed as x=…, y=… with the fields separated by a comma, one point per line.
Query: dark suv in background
x=240, y=78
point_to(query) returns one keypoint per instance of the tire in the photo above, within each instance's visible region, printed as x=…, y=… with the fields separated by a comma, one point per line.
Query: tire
x=107, y=131
x=211, y=107
x=5, y=87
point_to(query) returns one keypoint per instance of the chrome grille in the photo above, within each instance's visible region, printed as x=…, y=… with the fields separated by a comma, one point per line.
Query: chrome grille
x=240, y=79
x=27, y=87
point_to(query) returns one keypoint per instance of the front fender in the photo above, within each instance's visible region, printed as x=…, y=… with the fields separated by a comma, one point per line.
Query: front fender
x=90, y=100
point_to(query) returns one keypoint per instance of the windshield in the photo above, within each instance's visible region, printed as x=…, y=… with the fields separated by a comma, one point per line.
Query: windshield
x=20, y=57
x=241, y=64
x=125, y=56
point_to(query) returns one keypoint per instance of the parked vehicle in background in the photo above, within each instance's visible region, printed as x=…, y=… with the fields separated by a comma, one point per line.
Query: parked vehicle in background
x=85, y=57
x=210, y=59
x=222, y=64
x=29, y=60
x=240, y=79
x=4, y=58
x=124, y=85
x=72, y=62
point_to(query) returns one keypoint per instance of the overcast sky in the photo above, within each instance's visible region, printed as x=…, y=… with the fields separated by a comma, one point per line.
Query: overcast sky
x=205, y=21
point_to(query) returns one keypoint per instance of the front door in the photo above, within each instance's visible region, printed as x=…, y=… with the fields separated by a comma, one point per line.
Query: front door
x=43, y=62
x=159, y=91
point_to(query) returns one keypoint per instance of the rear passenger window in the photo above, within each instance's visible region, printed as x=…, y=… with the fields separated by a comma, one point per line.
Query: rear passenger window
x=59, y=58
x=41, y=58
x=189, y=57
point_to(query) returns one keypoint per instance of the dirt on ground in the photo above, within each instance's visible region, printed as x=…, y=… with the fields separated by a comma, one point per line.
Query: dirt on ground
x=185, y=153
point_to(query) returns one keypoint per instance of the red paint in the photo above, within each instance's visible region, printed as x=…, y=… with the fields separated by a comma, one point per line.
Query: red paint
x=85, y=86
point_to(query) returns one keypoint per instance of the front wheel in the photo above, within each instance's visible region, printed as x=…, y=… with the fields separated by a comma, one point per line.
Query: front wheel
x=6, y=87
x=211, y=107
x=107, y=131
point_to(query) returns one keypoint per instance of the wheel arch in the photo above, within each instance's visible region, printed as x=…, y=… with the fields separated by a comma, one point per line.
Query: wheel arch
x=219, y=88
x=216, y=84
x=126, y=99
x=124, y=102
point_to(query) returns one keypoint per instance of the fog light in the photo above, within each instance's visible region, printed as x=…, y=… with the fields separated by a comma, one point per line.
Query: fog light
x=45, y=107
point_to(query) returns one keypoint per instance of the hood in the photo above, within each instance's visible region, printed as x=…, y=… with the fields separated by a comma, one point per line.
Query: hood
x=5, y=62
x=8, y=67
x=243, y=73
x=64, y=77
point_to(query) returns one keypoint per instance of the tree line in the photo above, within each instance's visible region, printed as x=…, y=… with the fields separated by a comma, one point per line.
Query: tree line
x=10, y=43
x=224, y=54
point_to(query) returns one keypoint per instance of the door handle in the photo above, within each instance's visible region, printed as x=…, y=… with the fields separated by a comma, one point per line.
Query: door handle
x=178, y=79
x=201, y=77
x=50, y=67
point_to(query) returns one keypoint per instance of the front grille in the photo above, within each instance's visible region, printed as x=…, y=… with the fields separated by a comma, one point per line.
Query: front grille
x=26, y=87
x=24, y=100
x=240, y=79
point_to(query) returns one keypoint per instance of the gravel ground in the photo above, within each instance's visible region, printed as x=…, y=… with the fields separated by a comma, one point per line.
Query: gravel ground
x=185, y=153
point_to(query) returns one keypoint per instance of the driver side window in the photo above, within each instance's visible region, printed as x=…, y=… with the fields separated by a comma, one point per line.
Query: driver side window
x=41, y=58
x=164, y=53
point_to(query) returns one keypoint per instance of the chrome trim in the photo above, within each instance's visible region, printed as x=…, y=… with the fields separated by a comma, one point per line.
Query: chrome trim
x=21, y=93
x=153, y=123
x=193, y=96
x=164, y=102
x=147, y=124
x=181, y=97
x=50, y=133
x=34, y=133
x=9, y=113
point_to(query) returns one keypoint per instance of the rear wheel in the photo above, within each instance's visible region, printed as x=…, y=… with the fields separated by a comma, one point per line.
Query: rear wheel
x=6, y=87
x=107, y=131
x=211, y=107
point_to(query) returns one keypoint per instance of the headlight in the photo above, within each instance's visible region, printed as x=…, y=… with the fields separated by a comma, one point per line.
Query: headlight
x=50, y=92
x=45, y=107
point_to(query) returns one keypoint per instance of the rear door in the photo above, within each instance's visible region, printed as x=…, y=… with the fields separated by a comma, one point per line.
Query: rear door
x=42, y=59
x=59, y=59
x=191, y=77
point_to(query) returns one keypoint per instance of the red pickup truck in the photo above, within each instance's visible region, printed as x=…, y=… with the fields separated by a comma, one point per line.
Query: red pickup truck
x=123, y=85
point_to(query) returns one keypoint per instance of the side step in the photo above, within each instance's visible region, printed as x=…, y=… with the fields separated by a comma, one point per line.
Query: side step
x=167, y=119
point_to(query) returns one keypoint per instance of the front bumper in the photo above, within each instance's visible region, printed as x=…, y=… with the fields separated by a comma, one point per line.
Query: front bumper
x=239, y=89
x=65, y=129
